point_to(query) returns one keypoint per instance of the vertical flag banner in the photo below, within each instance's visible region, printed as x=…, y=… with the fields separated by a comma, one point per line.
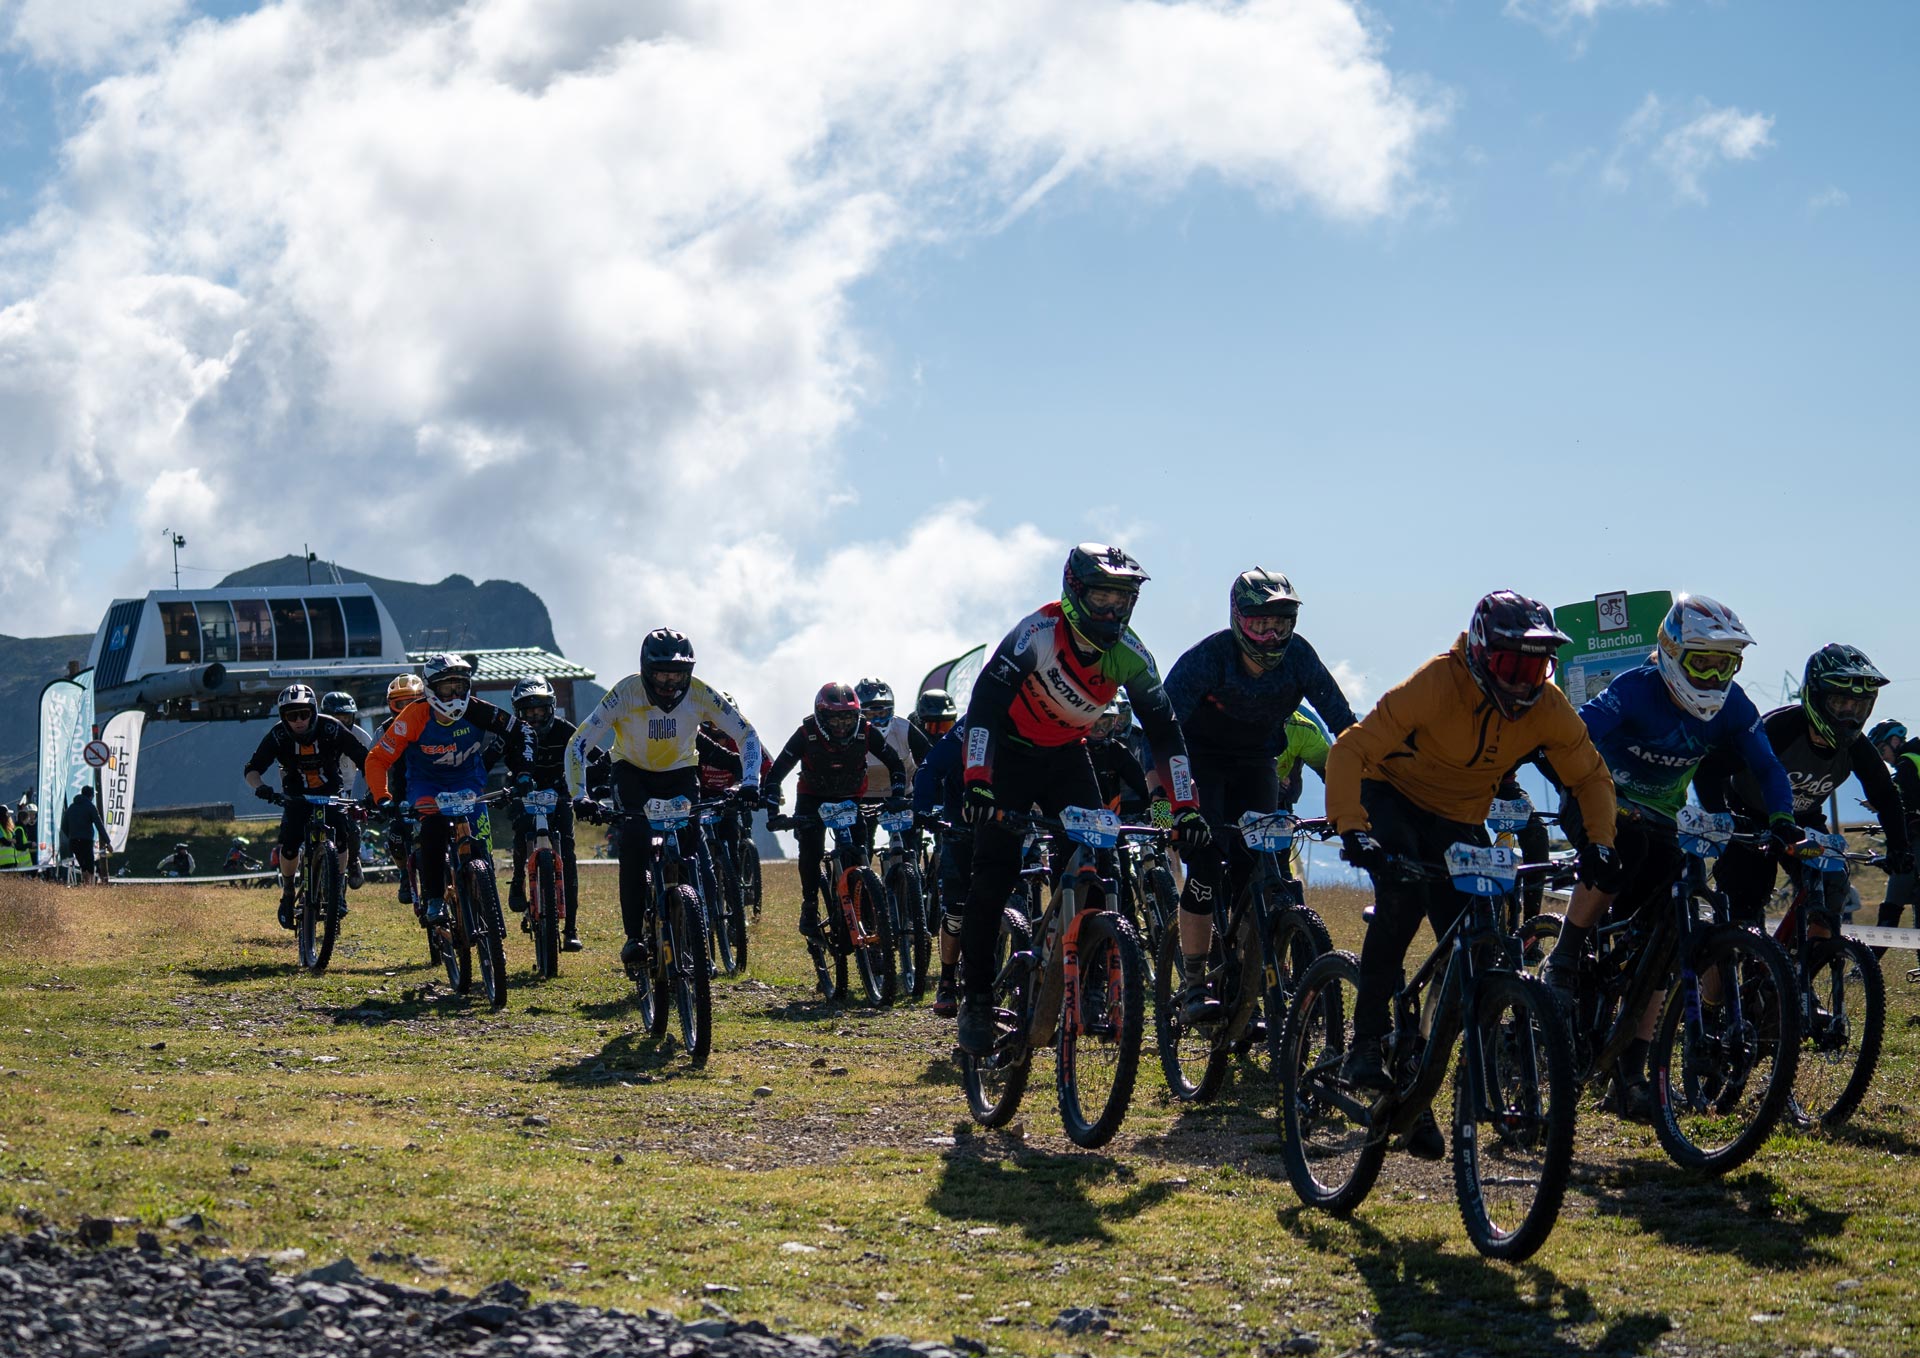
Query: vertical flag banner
x=956, y=676
x=66, y=725
x=122, y=737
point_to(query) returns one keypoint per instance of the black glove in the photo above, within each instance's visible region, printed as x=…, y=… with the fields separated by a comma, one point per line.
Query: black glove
x=586, y=809
x=897, y=800
x=266, y=794
x=979, y=805
x=1787, y=838
x=1601, y=868
x=1900, y=862
x=770, y=797
x=1193, y=829
x=1359, y=849
x=923, y=821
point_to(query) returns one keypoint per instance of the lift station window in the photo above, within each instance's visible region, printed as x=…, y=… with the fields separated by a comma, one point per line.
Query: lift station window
x=255, y=629
x=329, y=629
x=363, y=626
x=216, y=630
x=290, y=630
x=182, y=631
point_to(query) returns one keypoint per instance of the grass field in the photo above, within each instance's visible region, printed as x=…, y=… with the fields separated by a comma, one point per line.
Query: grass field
x=161, y=1056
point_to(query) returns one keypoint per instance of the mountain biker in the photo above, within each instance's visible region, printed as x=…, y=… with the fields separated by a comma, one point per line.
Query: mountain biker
x=1417, y=775
x=1123, y=783
x=908, y=741
x=935, y=713
x=309, y=748
x=405, y=688
x=831, y=750
x=1044, y=686
x=939, y=792
x=1306, y=748
x=1890, y=742
x=439, y=740
x=1819, y=741
x=1653, y=725
x=342, y=708
x=1232, y=694
x=654, y=718
x=179, y=863
x=546, y=771
x=238, y=859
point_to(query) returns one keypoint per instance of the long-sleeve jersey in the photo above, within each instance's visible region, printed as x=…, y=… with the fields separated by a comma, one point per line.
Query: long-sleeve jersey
x=1306, y=744
x=313, y=764
x=1036, y=691
x=937, y=784
x=835, y=769
x=1906, y=777
x=347, y=765
x=547, y=765
x=442, y=756
x=1227, y=714
x=1653, y=748
x=908, y=741
x=1446, y=747
x=657, y=739
x=1813, y=771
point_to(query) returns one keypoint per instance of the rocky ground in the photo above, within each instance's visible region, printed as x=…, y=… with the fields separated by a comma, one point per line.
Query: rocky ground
x=89, y=1301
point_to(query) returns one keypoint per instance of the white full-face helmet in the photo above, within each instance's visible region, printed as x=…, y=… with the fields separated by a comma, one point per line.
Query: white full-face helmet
x=1700, y=645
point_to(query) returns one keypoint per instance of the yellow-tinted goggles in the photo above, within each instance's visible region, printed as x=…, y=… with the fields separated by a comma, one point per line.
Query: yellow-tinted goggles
x=1713, y=667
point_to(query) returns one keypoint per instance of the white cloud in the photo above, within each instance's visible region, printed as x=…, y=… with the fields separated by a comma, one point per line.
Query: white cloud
x=560, y=291
x=1832, y=196
x=1557, y=16
x=1681, y=148
x=88, y=34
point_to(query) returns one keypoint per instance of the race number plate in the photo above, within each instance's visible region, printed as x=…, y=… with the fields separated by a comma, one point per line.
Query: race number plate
x=542, y=801
x=1267, y=831
x=1826, y=853
x=1095, y=827
x=839, y=815
x=1509, y=817
x=668, y=813
x=896, y=822
x=1704, y=834
x=456, y=803
x=1483, y=872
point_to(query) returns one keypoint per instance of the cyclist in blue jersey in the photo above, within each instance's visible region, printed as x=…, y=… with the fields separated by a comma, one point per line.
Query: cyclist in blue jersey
x=1232, y=694
x=938, y=792
x=1653, y=725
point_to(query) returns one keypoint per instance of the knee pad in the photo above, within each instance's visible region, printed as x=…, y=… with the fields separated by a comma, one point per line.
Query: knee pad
x=1197, y=896
x=950, y=923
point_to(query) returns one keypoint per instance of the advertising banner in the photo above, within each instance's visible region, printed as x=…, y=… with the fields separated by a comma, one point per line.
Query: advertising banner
x=956, y=676
x=1612, y=633
x=122, y=739
x=66, y=726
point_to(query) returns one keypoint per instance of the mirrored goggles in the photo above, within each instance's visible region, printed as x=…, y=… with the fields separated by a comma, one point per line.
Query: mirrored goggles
x=840, y=724
x=939, y=726
x=1111, y=604
x=1269, y=626
x=1518, y=669
x=1715, y=668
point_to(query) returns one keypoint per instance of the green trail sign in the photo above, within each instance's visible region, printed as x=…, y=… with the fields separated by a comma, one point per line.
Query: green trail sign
x=1612, y=633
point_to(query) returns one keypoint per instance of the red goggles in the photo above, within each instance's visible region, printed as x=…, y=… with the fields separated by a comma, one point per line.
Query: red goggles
x=1518, y=669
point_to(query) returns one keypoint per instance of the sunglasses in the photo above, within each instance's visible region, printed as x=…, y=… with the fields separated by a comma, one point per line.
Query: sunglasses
x=1712, y=667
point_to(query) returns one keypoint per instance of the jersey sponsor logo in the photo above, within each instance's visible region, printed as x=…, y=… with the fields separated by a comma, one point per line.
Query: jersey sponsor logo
x=1024, y=635
x=663, y=728
x=977, y=747
x=1671, y=761
x=1071, y=693
x=1182, y=774
x=1809, y=790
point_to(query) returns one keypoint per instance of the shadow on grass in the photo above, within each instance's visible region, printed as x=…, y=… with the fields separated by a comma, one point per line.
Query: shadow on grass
x=1750, y=1216
x=941, y=1071
x=817, y=1009
x=628, y=1054
x=1887, y=1139
x=1447, y=1293
x=420, y=1002
x=241, y=972
x=1046, y=1195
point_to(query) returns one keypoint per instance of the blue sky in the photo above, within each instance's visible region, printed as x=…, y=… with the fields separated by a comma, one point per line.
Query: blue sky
x=1563, y=296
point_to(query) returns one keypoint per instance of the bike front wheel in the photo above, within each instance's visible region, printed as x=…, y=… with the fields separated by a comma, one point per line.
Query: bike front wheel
x=486, y=929
x=545, y=906
x=1098, y=1058
x=692, y=992
x=995, y=1083
x=1722, y=1075
x=874, y=959
x=1848, y=1003
x=320, y=901
x=1326, y=1141
x=1299, y=938
x=912, y=945
x=1514, y=1103
x=1193, y=1059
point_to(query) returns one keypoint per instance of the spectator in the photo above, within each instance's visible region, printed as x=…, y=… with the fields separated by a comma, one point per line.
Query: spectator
x=26, y=816
x=77, y=827
x=179, y=863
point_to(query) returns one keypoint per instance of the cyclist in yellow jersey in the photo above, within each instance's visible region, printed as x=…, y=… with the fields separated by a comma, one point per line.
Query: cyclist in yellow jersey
x=1306, y=748
x=654, y=717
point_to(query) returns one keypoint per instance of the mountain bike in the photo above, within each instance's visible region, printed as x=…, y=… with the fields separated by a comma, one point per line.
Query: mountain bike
x=1074, y=985
x=906, y=902
x=728, y=837
x=471, y=927
x=321, y=895
x=1262, y=943
x=1843, y=999
x=546, y=882
x=859, y=919
x=1148, y=897
x=1727, y=1041
x=1513, y=1080
x=710, y=880
x=673, y=977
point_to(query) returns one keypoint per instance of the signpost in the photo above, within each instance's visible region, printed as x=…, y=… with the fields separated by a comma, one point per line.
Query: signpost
x=1615, y=632
x=97, y=753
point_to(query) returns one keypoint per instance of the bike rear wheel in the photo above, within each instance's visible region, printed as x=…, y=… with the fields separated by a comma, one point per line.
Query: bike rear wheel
x=545, y=907
x=487, y=930
x=1193, y=1059
x=1299, y=939
x=1514, y=1104
x=1535, y=939
x=750, y=875
x=692, y=991
x=1331, y=1154
x=1721, y=1081
x=1161, y=907
x=319, y=907
x=1842, y=1042
x=456, y=950
x=995, y=1083
x=719, y=945
x=1098, y=1058
x=911, y=944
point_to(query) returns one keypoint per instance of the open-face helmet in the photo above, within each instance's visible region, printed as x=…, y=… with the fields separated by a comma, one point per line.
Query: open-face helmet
x=449, y=681
x=405, y=688
x=297, y=703
x=666, y=667
x=1098, y=589
x=1888, y=730
x=1700, y=644
x=936, y=712
x=1263, y=609
x=876, y=701
x=533, y=701
x=1837, y=690
x=836, y=712
x=340, y=706
x=1511, y=645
